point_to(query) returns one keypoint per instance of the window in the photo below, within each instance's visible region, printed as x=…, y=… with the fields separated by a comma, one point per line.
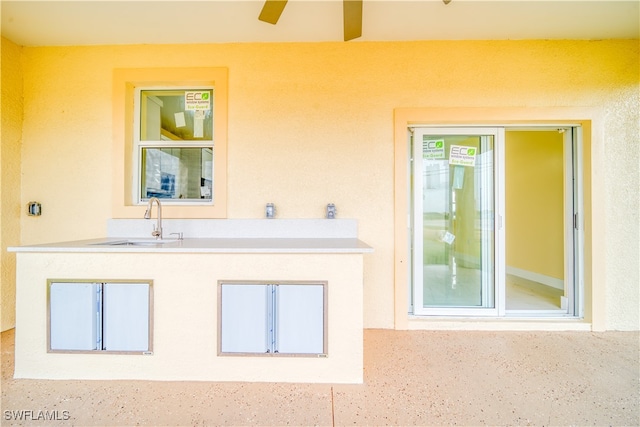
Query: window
x=173, y=144
x=183, y=153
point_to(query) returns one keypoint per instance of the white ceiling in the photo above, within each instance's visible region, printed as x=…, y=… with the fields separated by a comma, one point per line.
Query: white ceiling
x=56, y=23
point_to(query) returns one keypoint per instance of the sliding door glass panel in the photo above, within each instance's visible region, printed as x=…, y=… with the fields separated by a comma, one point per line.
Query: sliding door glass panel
x=453, y=216
x=534, y=207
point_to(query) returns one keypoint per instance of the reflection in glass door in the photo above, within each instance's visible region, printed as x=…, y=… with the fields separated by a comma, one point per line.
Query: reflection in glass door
x=454, y=211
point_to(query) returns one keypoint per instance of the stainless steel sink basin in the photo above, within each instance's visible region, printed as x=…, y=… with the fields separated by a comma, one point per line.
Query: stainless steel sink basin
x=133, y=242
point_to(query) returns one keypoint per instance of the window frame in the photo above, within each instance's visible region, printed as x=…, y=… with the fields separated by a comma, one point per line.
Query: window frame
x=139, y=145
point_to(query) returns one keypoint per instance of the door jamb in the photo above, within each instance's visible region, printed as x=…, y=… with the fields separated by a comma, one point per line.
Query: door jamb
x=591, y=121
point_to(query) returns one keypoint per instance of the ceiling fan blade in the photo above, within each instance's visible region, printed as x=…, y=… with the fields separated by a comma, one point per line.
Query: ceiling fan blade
x=352, y=15
x=272, y=10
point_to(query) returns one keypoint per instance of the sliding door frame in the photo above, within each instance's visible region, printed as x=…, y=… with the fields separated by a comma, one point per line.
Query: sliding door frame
x=573, y=303
x=592, y=315
x=496, y=275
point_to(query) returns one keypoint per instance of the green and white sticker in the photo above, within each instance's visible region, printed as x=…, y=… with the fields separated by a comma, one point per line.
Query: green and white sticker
x=432, y=148
x=462, y=155
x=197, y=100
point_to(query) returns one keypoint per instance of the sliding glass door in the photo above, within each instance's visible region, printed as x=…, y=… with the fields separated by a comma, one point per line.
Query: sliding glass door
x=455, y=211
x=495, y=221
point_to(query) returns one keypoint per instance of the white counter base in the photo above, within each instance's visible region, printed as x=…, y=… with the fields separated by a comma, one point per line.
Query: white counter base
x=185, y=315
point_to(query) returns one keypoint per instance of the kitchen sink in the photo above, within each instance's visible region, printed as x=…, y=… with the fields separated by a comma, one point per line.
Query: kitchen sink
x=133, y=242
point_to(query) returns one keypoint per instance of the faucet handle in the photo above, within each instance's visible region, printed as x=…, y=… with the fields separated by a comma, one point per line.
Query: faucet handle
x=156, y=232
x=180, y=236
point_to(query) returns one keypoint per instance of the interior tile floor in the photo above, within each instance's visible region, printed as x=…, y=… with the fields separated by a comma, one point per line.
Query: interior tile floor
x=422, y=378
x=444, y=289
x=523, y=294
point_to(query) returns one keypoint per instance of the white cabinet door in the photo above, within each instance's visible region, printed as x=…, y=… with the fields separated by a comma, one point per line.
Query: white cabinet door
x=299, y=318
x=244, y=318
x=74, y=316
x=126, y=316
x=266, y=318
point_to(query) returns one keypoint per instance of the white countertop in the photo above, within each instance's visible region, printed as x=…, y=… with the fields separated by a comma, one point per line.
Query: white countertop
x=204, y=245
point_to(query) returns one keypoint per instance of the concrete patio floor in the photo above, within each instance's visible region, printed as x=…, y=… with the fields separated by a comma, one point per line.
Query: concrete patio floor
x=410, y=378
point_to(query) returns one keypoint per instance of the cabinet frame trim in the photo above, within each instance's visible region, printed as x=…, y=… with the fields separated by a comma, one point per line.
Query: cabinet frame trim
x=325, y=316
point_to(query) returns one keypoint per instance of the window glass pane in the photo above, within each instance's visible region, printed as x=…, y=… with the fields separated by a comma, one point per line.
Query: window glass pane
x=176, y=115
x=177, y=173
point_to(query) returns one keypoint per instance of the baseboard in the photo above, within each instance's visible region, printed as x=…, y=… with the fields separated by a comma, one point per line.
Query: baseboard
x=536, y=277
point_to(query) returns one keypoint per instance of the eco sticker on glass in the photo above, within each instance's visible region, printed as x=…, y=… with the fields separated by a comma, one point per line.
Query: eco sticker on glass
x=462, y=155
x=432, y=148
x=197, y=100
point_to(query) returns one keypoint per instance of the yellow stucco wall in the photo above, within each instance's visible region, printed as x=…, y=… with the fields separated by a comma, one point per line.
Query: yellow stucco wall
x=11, y=112
x=535, y=202
x=311, y=124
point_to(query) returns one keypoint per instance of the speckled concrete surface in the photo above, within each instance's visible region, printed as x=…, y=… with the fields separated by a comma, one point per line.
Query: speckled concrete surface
x=411, y=378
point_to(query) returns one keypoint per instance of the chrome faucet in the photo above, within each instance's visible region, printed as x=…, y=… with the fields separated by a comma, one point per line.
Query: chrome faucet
x=157, y=229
